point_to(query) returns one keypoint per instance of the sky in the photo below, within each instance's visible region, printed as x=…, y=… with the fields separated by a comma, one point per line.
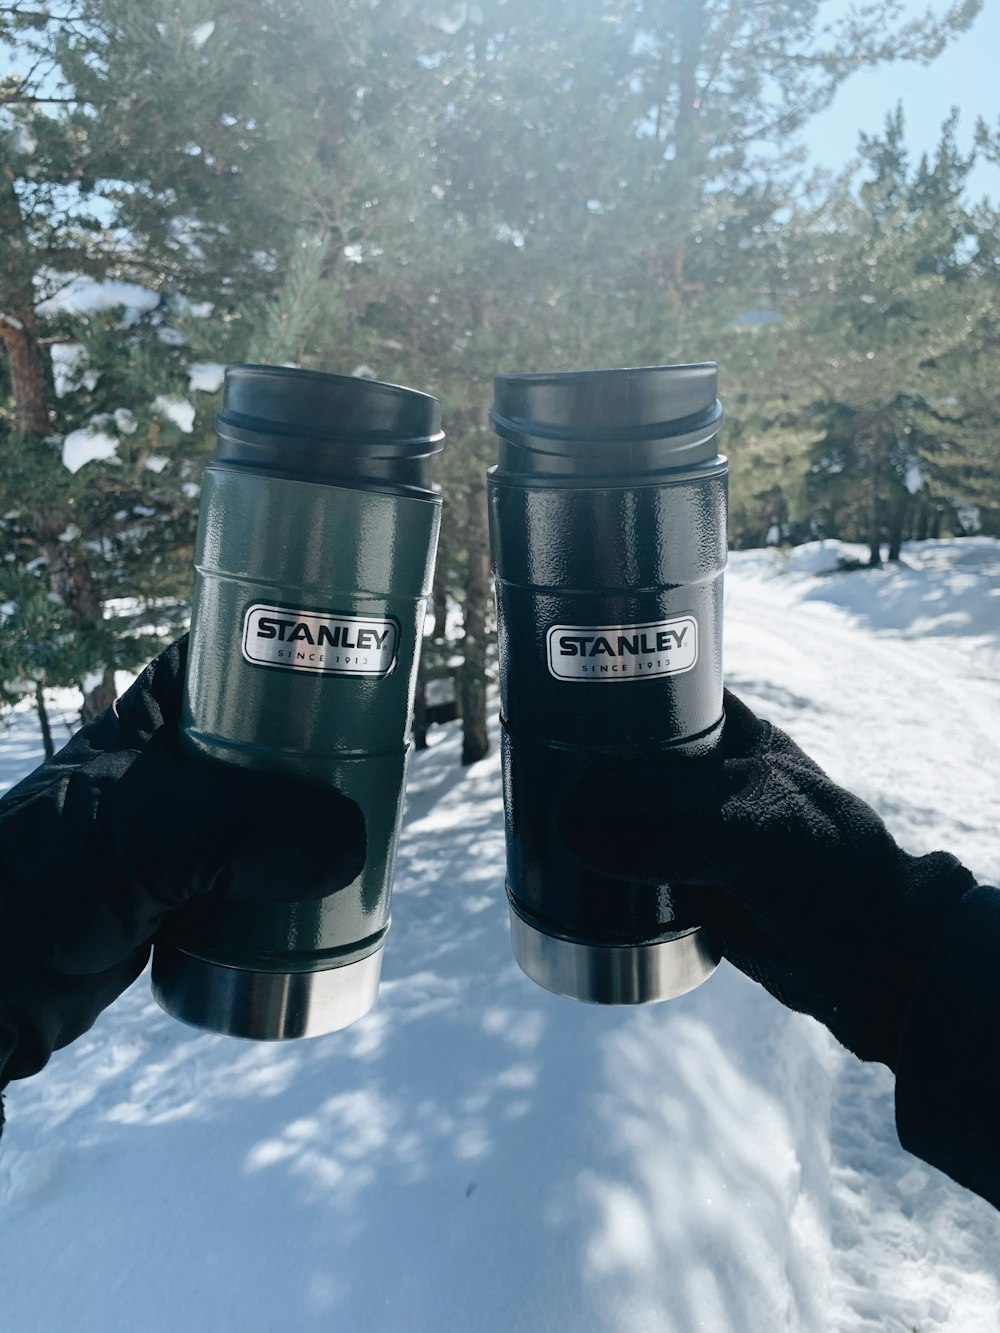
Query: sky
x=964, y=75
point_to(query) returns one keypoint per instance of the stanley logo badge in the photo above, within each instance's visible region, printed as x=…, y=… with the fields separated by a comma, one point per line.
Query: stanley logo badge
x=311, y=641
x=622, y=652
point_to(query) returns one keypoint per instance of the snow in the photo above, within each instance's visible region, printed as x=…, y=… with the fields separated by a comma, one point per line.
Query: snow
x=479, y=1155
x=23, y=140
x=171, y=337
x=86, y=296
x=456, y=17
x=71, y=368
x=197, y=37
x=175, y=409
x=87, y=445
x=206, y=377
x=916, y=477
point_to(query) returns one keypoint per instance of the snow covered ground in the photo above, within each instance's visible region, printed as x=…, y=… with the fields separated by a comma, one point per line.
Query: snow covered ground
x=478, y=1156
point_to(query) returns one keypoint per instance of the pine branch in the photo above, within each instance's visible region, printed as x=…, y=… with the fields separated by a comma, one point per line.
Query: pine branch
x=289, y=319
x=31, y=99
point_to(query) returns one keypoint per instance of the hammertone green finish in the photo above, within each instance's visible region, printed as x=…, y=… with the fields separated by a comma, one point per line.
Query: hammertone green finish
x=323, y=549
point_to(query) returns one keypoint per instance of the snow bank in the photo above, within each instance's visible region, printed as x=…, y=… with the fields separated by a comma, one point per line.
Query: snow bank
x=939, y=589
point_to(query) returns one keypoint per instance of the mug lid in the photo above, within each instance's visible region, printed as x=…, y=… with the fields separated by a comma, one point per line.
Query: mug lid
x=340, y=409
x=641, y=419
x=307, y=425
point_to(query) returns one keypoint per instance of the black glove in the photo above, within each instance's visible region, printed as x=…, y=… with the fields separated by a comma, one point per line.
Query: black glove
x=817, y=901
x=120, y=827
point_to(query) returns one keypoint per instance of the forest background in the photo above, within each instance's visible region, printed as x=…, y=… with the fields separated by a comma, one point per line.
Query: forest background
x=428, y=193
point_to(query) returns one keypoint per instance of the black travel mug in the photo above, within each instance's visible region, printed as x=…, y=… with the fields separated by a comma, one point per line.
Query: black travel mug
x=608, y=537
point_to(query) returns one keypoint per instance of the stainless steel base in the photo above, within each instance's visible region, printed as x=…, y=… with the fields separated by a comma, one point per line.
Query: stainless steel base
x=614, y=974
x=267, y=1006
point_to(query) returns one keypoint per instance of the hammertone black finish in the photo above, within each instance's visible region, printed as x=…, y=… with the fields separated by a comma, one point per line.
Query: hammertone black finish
x=600, y=555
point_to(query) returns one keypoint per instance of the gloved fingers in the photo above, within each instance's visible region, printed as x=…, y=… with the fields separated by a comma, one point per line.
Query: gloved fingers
x=649, y=822
x=744, y=941
x=248, y=835
x=161, y=833
x=747, y=737
x=795, y=819
x=251, y=834
x=743, y=733
x=290, y=841
x=152, y=703
x=666, y=817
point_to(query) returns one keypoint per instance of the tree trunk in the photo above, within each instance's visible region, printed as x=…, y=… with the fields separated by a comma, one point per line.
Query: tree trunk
x=897, y=523
x=27, y=374
x=71, y=579
x=434, y=646
x=419, y=726
x=874, y=503
x=100, y=698
x=472, y=683
x=17, y=320
x=439, y=600
x=686, y=181
x=43, y=720
x=874, y=542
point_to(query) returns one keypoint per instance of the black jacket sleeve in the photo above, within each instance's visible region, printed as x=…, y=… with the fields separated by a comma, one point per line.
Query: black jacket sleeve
x=948, y=1059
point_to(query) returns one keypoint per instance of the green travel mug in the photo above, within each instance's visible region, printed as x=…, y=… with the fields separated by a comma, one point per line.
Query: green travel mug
x=315, y=553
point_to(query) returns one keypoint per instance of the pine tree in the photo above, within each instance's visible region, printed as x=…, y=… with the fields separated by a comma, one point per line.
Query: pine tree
x=134, y=150
x=880, y=289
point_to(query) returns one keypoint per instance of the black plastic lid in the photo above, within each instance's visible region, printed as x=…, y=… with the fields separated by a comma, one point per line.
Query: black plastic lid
x=607, y=422
x=311, y=426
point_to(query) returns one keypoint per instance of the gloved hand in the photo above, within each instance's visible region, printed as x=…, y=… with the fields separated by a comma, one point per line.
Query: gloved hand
x=817, y=901
x=101, y=842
